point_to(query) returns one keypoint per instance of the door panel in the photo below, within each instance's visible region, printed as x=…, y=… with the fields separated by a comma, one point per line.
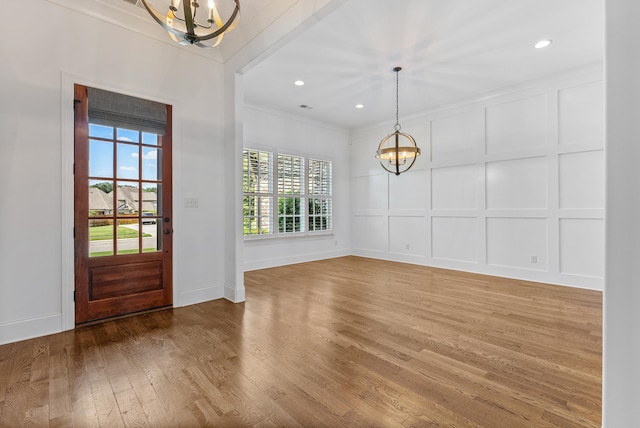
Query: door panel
x=106, y=282
x=123, y=232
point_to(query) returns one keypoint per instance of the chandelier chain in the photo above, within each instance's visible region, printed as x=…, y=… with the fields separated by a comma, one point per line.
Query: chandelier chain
x=397, y=126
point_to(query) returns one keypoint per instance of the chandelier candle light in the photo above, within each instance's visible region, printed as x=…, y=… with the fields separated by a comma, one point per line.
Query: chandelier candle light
x=185, y=28
x=394, y=157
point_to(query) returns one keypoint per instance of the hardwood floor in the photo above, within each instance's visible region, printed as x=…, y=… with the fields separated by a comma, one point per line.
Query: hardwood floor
x=340, y=342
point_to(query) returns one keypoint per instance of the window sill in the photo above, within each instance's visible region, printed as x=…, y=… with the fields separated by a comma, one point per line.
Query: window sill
x=303, y=236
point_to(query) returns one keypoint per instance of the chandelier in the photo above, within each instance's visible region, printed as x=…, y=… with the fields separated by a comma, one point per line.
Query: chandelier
x=396, y=156
x=189, y=26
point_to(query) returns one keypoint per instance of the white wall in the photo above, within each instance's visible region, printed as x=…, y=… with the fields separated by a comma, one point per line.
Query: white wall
x=621, y=363
x=509, y=185
x=283, y=27
x=277, y=132
x=40, y=63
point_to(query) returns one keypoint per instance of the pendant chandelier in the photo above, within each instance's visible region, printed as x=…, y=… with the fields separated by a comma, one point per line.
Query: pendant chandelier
x=189, y=26
x=397, y=151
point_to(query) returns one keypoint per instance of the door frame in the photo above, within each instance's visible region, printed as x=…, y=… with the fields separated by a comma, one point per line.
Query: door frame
x=67, y=186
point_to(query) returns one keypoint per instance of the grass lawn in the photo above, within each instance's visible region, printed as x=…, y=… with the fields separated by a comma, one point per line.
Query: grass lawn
x=100, y=233
x=121, y=252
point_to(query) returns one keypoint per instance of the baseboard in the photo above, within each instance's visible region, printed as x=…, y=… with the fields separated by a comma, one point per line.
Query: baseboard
x=30, y=328
x=234, y=295
x=289, y=260
x=201, y=295
x=555, y=278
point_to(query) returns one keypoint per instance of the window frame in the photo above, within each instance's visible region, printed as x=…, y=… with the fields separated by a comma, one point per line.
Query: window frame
x=304, y=196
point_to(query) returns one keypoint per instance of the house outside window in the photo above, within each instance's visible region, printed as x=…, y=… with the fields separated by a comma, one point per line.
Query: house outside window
x=285, y=194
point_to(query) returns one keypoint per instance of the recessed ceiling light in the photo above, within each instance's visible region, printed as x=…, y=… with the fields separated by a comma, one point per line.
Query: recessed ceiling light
x=298, y=83
x=542, y=44
x=359, y=105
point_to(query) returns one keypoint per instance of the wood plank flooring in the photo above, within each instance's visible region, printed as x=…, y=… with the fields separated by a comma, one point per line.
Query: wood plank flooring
x=341, y=342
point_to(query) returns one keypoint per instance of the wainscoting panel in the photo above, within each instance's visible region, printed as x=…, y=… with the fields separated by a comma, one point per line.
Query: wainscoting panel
x=454, y=238
x=453, y=137
x=455, y=188
x=582, y=179
x=517, y=125
x=402, y=191
x=517, y=184
x=371, y=192
x=517, y=242
x=581, y=114
x=372, y=232
x=408, y=235
x=582, y=247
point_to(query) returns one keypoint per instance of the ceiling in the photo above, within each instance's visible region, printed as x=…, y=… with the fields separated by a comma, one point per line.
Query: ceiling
x=256, y=16
x=450, y=51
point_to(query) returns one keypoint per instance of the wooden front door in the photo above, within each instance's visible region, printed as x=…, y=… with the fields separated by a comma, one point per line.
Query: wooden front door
x=123, y=229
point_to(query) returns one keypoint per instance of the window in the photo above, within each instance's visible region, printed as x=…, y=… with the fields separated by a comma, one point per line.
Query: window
x=319, y=195
x=300, y=186
x=290, y=194
x=258, y=192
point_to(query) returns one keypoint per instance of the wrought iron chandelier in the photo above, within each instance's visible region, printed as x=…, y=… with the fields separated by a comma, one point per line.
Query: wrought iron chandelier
x=187, y=27
x=394, y=156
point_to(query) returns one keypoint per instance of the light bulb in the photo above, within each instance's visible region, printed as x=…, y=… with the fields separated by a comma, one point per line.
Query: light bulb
x=542, y=44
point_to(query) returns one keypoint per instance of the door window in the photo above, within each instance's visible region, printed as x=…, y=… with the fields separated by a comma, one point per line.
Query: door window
x=125, y=188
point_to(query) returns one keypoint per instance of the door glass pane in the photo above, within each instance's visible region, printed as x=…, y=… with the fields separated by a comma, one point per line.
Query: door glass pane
x=151, y=139
x=100, y=198
x=149, y=198
x=100, y=237
x=159, y=202
x=128, y=135
x=128, y=161
x=100, y=159
x=100, y=131
x=151, y=161
x=127, y=199
x=128, y=231
x=151, y=234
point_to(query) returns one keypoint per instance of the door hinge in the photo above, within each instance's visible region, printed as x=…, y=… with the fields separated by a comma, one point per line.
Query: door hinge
x=75, y=103
x=74, y=234
x=74, y=169
x=74, y=295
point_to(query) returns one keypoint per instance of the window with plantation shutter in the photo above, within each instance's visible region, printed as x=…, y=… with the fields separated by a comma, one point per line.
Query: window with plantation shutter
x=291, y=176
x=257, y=167
x=301, y=188
x=319, y=195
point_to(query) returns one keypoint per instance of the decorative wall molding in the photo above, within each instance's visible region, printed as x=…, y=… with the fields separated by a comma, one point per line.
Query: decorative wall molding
x=514, y=186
